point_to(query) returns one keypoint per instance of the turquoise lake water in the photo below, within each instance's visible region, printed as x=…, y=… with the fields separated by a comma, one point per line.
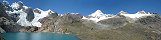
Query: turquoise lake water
x=38, y=36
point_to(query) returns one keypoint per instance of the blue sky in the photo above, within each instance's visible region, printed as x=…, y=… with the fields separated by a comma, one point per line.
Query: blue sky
x=86, y=7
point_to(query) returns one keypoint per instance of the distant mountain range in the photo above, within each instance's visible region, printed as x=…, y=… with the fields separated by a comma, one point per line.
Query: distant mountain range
x=29, y=17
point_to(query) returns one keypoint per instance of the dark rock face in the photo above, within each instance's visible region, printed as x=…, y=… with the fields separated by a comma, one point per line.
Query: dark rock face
x=30, y=14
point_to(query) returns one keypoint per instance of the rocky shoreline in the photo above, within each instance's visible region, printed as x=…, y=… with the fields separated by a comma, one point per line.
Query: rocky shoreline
x=1, y=37
x=1, y=31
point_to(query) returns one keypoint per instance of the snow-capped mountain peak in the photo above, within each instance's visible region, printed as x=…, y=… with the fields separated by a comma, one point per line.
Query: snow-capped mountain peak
x=141, y=12
x=97, y=13
x=17, y=5
x=123, y=12
x=97, y=16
